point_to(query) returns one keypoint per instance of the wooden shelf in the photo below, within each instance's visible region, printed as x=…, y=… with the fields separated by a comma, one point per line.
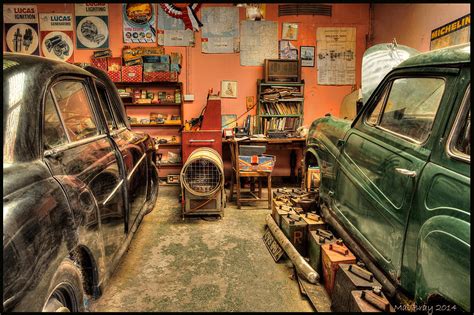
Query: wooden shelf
x=283, y=83
x=164, y=84
x=269, y=116
x=155, y=125
x=152, y=104
x=170, y=165
x=168, y=145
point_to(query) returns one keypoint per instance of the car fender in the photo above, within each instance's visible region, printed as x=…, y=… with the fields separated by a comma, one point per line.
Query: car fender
x=443, y=246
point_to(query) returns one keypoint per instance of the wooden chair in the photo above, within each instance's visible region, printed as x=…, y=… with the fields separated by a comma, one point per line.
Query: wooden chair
x=237, y=174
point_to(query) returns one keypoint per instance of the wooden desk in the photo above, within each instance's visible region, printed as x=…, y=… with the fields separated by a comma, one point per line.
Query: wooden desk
x=292, y=144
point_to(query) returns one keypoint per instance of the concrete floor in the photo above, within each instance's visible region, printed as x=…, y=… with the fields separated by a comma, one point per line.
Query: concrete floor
x=198, y=265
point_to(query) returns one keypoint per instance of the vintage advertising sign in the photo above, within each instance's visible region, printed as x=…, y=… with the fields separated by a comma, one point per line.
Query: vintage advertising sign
x=57, y=34
x=139, y=23
x=21, y=28
x=454, y=33
x=92, y=25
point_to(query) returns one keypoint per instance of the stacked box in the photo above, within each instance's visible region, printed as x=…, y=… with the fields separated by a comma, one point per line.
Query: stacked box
x=100, y=63
x=132, y=73
x=156, y=67
x=160, y=76
x=165, y=59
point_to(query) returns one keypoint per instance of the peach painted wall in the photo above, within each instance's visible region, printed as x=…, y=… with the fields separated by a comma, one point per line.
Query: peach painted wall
x=418, y=20
x=207, y=70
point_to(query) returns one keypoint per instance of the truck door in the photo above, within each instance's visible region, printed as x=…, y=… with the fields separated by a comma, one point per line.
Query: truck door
x=380, y=162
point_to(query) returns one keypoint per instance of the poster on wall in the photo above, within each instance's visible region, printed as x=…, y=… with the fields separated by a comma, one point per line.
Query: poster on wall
x=258, y=41
x=21, y=28
x=139, y=23
x=454, y=33
x=92, y=25
x=336, y=55
x=172, y=32
x=220, y=31
x=57, y=35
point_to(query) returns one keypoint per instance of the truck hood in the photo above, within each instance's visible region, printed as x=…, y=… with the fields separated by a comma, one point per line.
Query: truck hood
x=378, y=60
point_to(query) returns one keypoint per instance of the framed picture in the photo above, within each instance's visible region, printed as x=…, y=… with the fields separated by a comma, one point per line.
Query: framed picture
x=229, y=89
x=307, y=56
x=287, y=50
x=289, y=31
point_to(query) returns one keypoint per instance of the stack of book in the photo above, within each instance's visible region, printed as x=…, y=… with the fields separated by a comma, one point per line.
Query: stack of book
x=283, y=123
x=280, y=108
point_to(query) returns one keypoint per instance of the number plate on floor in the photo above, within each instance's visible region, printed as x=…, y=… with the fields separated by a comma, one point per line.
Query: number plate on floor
x=273, y=247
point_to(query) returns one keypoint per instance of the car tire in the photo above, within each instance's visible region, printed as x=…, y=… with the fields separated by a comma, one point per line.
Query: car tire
x=66, y=292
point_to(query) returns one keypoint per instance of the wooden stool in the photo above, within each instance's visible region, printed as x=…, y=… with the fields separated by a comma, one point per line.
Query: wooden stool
x=237, y=174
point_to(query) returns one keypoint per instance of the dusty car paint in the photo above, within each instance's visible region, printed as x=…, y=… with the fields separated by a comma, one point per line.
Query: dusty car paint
x=75, y=201
x=416, y=228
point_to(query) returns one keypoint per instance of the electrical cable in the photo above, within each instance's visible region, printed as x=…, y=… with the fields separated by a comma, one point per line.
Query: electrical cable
x=233, y=121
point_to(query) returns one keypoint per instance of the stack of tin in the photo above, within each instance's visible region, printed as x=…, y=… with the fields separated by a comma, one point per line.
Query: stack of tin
x=350, y=286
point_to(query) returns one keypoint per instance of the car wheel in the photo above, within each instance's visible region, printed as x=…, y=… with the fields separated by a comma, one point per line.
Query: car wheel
x=66, y=290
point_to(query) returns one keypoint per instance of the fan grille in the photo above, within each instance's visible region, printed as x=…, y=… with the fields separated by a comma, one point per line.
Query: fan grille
x=202, y=176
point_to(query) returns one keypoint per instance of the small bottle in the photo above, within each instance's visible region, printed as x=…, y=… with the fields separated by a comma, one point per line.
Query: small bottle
x=177, y=96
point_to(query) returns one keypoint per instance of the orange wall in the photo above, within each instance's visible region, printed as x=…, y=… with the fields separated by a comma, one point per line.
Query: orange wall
x=207, y=70
x=418, y=22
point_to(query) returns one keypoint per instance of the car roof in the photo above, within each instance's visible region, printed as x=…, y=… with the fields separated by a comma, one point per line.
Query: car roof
x=25, y=79
x=445, y=56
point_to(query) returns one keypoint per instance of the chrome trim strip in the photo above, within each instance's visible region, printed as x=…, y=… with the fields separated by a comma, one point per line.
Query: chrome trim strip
x=136, y=166
x=118, y=131
x=455, y=129
x=113, y=192
x=73, y=144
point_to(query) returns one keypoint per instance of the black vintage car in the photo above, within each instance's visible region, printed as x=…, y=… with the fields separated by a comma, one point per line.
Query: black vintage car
x=76, y=183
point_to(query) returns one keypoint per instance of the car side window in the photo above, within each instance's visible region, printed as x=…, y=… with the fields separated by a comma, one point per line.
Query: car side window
x=104, y=103
x=53, y=131
x=461, y=141
x=105, y=97
x=75, y=109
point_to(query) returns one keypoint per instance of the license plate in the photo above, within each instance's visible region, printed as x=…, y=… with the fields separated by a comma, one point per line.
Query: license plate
x=272, y=245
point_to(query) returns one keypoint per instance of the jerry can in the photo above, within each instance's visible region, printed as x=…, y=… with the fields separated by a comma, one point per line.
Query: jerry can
x=369, y=301
x=333, y=255
x=350, y=278
x=294, y=227
x=314, y=221
x=315, y=240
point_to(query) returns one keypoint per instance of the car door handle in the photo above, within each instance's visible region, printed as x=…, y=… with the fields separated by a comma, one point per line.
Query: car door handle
x=405, y=172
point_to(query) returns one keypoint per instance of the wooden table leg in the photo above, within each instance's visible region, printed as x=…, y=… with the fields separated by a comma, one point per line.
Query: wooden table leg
x=269, y=177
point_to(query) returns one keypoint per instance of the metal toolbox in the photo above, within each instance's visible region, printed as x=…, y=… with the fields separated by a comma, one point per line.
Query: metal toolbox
x=294, y=227
x=333, y=255
x=314, y=221
x=369, y=301
x=350, y=278
x=315, y=240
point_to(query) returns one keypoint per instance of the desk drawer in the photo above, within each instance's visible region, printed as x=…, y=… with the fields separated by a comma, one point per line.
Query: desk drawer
x=193, y=140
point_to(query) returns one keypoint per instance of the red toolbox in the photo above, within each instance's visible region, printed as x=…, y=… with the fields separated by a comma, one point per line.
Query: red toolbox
x=192, y=140
x=332, y=256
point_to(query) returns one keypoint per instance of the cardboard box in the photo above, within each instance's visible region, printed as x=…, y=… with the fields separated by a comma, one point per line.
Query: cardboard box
x=254, y=163
x=160, y=76
x=132, y=74
x=100, y=63
x=114, y=64
x=151, y=59
x=156, y=66
x=115, y=76
x=153, y=51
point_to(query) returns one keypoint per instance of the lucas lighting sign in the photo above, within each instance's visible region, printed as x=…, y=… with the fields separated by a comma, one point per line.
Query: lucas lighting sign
x=452, y=33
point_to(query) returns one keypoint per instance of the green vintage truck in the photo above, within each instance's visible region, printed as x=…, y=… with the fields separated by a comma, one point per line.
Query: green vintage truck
x=395, y=181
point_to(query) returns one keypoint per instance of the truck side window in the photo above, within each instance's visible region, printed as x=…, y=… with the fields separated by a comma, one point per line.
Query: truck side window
x=104, y=104
x=373, y=118
x=53, y=132
x=411, y=107
x=461, y=142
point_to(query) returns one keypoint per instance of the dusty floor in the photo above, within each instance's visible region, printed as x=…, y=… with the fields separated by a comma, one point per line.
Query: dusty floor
x=198, y=265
